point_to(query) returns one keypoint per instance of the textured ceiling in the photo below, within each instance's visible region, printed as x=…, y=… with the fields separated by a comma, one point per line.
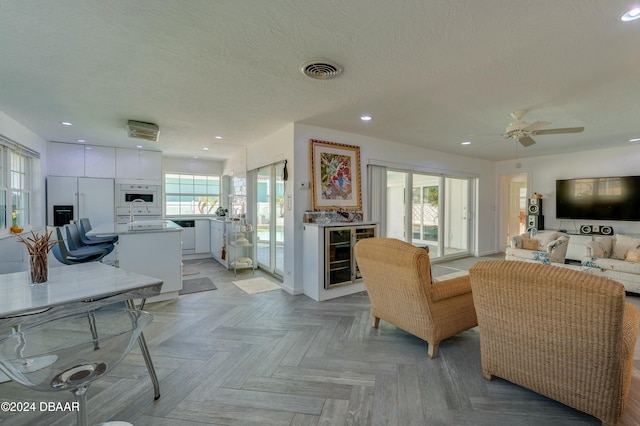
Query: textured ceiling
x=431, y=73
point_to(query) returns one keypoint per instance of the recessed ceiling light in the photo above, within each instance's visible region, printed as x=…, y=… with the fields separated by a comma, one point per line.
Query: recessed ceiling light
x=366, y=118
x=138, y=146
x=205, y=149
x=634, y=140
x=631, y=15
x=195, y=156
x=81, y=140
x=466, y=143
x=66, y=123
x=218, y=137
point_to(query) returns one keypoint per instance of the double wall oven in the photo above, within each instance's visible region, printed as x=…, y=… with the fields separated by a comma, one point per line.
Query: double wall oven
x=149, y=208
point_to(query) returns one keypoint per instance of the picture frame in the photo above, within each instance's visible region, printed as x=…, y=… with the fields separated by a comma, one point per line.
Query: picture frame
x=335, y=175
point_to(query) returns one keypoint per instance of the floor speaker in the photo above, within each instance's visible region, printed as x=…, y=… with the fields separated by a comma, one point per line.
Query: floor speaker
x=535, y=221
x=534, y=206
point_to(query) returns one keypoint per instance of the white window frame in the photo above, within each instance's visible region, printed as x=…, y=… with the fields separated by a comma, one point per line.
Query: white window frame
x=211, y=208
x=15, y=180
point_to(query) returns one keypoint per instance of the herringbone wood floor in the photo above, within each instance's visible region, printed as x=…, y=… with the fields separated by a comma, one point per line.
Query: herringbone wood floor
x=227, y=358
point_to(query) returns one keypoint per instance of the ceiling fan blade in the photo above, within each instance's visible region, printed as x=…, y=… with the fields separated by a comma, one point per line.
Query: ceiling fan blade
x=558, y=131
x=526, y=141
x=535, y=126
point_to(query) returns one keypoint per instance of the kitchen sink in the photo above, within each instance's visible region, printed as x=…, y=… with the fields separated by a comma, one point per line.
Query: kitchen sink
x=141, y=225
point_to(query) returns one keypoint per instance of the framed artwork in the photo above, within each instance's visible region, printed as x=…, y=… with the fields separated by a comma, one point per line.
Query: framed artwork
x=335, y=171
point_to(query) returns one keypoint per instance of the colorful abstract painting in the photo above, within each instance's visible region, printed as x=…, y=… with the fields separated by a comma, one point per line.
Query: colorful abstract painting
x=336, y=175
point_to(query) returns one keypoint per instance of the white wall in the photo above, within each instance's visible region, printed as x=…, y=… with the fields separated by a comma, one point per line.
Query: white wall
x=544, y=171
x=192, y=165
x=12, y=253
x=380, y=151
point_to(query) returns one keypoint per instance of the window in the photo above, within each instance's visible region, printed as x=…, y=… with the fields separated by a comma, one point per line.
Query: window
x=15, y=185
x=191, y=195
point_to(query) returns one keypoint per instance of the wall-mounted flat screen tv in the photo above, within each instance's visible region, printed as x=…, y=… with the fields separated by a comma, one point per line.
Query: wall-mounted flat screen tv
x=605, y=198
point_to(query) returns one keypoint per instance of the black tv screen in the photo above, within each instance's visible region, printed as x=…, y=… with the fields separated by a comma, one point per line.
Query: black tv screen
x=605, y=198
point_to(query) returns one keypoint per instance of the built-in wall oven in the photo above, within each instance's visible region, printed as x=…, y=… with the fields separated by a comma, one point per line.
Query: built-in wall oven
x=150, y=206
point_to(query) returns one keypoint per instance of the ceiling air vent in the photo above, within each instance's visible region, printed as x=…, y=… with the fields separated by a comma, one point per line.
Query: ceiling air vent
x=141, y=130
x=321, y=69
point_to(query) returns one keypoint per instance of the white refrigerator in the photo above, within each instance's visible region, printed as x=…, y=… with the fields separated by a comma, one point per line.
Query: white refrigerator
x=80, y=197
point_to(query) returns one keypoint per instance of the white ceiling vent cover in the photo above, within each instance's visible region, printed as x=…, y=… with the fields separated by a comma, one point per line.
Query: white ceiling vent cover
x=321, y=69
x=141, y=130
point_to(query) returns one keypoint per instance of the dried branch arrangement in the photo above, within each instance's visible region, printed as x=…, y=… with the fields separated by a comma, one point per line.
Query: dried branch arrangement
x=38, y=247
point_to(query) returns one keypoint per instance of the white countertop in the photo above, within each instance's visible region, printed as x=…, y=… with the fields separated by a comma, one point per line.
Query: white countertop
x=136, y=227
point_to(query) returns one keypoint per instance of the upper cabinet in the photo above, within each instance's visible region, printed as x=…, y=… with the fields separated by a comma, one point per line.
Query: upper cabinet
x=65, y=159
x=99, y=161
x=138, y=164
x=68, y=159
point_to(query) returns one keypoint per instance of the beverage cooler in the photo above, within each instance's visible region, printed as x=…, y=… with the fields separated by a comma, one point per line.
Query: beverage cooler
x=340, y=262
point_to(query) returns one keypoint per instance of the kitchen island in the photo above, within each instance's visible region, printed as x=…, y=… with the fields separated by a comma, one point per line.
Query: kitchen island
x=149, y=247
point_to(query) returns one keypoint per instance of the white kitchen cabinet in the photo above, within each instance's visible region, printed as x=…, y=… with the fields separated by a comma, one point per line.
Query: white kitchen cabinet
x=65, y=159
x=218, y=245
x=202, y=237
x=99, y=161
x=69, y=159
x=138, y=164
x=156, y=254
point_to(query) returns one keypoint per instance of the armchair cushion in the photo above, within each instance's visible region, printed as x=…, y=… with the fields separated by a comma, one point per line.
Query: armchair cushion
x=613, y=265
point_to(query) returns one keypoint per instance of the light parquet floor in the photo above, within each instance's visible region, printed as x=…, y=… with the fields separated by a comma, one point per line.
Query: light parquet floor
x=227, y=358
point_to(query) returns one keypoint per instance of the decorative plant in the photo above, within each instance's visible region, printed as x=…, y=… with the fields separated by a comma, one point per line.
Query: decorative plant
x=38, y=247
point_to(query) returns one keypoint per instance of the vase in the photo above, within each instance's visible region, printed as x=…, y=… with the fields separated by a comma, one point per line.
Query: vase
x=38, y=268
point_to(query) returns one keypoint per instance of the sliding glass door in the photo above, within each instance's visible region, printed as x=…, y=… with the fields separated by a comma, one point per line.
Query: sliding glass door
x=429, y=210
x=270, y=218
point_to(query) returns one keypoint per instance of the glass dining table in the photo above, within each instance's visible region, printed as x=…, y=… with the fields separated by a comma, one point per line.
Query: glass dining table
x=72, y=289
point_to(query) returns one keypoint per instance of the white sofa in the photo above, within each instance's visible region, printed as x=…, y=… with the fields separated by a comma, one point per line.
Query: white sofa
x=607, y=256
x=551, y=248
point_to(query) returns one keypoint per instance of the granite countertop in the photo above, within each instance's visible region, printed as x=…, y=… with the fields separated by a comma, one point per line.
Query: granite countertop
x=136, y=227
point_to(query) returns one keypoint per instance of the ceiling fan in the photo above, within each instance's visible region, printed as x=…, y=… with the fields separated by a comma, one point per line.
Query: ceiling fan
x=522, y=131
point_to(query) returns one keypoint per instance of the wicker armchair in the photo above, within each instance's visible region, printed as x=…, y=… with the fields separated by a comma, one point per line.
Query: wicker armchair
x=397, y=277
x=562, y=333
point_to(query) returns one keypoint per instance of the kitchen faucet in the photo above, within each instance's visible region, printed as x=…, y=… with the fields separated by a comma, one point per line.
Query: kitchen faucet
x=131, y=218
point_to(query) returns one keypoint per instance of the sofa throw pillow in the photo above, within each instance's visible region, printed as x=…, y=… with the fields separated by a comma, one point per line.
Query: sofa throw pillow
x=622, y=244
x=633, y=255
x=606, y=243
x=529, y=244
